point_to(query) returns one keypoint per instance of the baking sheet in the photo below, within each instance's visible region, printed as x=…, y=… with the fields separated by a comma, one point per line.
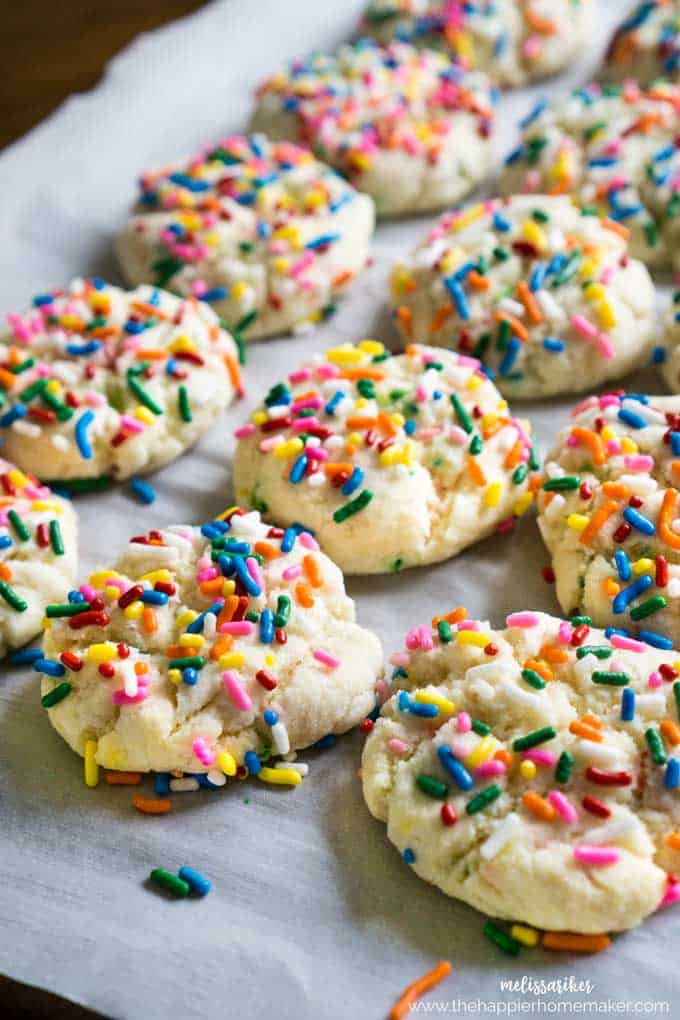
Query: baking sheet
x=313, y=913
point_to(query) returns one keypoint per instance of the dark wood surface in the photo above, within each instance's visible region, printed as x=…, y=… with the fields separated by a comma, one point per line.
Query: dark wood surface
x=49, y=50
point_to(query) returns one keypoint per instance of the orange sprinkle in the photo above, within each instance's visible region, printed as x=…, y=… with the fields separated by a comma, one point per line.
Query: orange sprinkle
x=148, y=806
x=5, y=572
x=530, y=303
x=512, y=459
x=405, y=320
x=221, y=646
x=575, y=943
x=580, y=729
x=150, y=354
x=611, y=588
x=123, y=778
x=147, y=309
x=7, y=379
x=597, y=521
x=440, y=317
x=337, y=468
x=616, y=228
x=475, y=472
x=234, y=372
x=227, y=611
x=304, y=596
x=670, y=731
x=311, y=568
x=538, y=667
x=266, y=549
x=553, y=654
x=673, y=840
x=455, y=616
x=666, y=515
x=362, y=373
x=518, y=328
x=538, y=806
x=617, y=490
x=537, y=22
x=149, y=620
x=594, y=443
x=178, y=651
x=212, y=587
x=477, y=281
x=592, y=720
x=386, y=425
x=423, y=984
x=360, y=421
x=502, y=755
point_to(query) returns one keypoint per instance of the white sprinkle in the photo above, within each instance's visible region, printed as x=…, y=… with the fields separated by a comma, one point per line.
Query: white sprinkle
x=26, y=428
x=186, y=785
x=501, y=835
x=611, y=832
x=297, y=766
x=217, y=777
x=280, y=738
x=162, y=553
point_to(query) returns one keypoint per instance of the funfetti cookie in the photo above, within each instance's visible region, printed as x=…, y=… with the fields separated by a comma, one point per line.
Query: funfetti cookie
x=668, y=353
x=646, y=45
x=262, y=230
x=96, y=381
x=614, y=149
x=208, y=648
x=543, y=292
x=407, y=127
x=392, y=461
x=609, y=514
x=513, y=42
x=532, y=771
x=38, y=554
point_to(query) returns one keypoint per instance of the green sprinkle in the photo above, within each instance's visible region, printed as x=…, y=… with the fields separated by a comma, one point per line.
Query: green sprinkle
x=23, y=366
x=651, y=233
x=673, y=206
x=519, y=474
x=58, y=609
x=501, y=939
x=533, y=739
x=56, y=695
x=565, y=484
x=192, y=661
x=540, y=215
x=85, y=484
x=183, y=404
x=444, y=631
x=243, y=324
x=142, y=396
x=165, y=269
x=676, y=694
x=579, y=621
x=353, y=507
x=20, y=528
x=464, y=419
x=648, y=607
x=599, y=651
x=481, y=346
x=480, y=728
x=565, y=763
x=12, y=598
x=476, y=446
x=366, y=387
x=55, y=538
x=501, y=254
x=610, y=679
x=282, y=615
x=483, y=799
x=533, y=679
x=655, y=745
x=503, y=335
x=33, y=390
x=431, y=786
x=251, y=616
x=62, y=411
x=172, y=883
x=534, y=462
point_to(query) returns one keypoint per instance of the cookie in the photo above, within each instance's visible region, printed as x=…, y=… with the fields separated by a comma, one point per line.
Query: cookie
x=608, y=514
x=514, y=43
x=265, y=233
x=646, y=45
x=668, y=354
x=408, y=127
x=38, y=554
x=531, y=772
x=543, y=292
x=96, y=381
x=209, y=647
x=614, y=149
x=392, y=461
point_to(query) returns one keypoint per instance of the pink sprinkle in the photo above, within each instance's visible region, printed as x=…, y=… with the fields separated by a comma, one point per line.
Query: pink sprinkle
x=609, y=400
x=202, y=751
x=532, y=47
x=565, y=632
x=302, y=375
x=254, y=571
x=19, y=328
x=457, y=435
x=209, y=574
x=303, y=424
x=397, y=746
x=672, y=895
x=326, y=658
x=269, y=443
x=400, y=659
x=599, y=856
x=303, y=263
x=563, y=806
x=607, y=275
x=245, y=431
x=308, y=404
x=316, y=452
x=503, y=527
x=121, y=698
x=238, y=695
x=655, y=679
x=463, y=723
x=638, y=462
x=540, y=757
x=131, y=424
x=626, y=643
x=290, y=573
x=584, y=406
x=88, y=591
x=614, y=447
x=116, y=582
x=327, y=372
x=238, y=627
x=605, y=346
x=522, y=620
x=490, y=768
x=584, y=326
x=308, y=541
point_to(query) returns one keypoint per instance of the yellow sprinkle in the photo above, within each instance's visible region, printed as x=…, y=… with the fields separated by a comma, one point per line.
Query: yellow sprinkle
x=372, y=347
x=484, y=749
x=186, y=617
x=608, y=434
x=102, y=652
x=182, y=343
x=156, y=575
x=239, y=290
x=606, y=316
x=445, y=706
x=360, y=402
x=269, y=659
x=282, y=777
x=192, y=640
x=534, y=234
x=17, y=478
x=289, y=448
x=98, y=579
x=226, y=513
x=91, y=767
x=143, y=414
x=627, y=445
x=134, y=610
x=345, y=354
x=400, y=281
x=643, y=566
x=175, y=676
x=492, y=494
x=472, y=637
x=227, y=763
x=577, y=522
x=473, y=383
x=523, y=503
x=228, y=586
x=55, y=387
x=527, y=936
x=469, y=217
x=527, y=769
x=232, y=660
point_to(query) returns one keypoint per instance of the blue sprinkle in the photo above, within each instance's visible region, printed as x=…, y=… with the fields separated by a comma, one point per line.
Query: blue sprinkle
x=456, y=291
x=410, y=426
x=243, y=574
x=658, y=355
x=252, y=763
x=82, y=439
x=162, y=784
x=675, y=443
x=636, y=421
x=514, y=156
x=353, y=482
x=500, y=223
x=214, y=294
x=409, y=855
x=142, y=490
x=538, y=276
x=455, y=769
x=199, y=885
x=637, y=521
x=622, y=565
x=154, y=598
x=26, y=657
x=603, y=161
x=330, y=740
x=78, y=350
x=626, y=595
x=14, y=413
x=510, y=356
x=226, y=565
x=537, y=110
x=5, y=542
x=190, y=676
x=553, y=344
x=403, y=701
x=621, y=631
x=266, y=626
x=232, y=545
x=671, y=776
x=76, y=596
x=650, y=637
x=49, y=666
x=333, y=402
x=298, y=469
x=322, y=242
x=196, y=626
x=270, y=717
x=288, y=540
x=627, y=704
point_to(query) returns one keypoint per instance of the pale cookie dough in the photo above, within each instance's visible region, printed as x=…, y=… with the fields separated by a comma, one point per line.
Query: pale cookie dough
x=265, y=233
x=392, y=461
x=38, y=554
x=514, y=773
x=205, y=643
x=99, y=381
x=608, y=513
x=668, y=355
x=614, y=149
x=646, y=45
x=513, y=41
x=405, y=126
x=544, y=293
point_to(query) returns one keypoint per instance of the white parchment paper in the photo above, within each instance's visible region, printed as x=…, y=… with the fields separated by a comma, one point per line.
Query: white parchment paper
x=313, y=914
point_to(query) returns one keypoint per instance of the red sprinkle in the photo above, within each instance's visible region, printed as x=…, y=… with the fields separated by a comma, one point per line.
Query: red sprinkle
x=604, y=778
x=107, y=670
x=266, y=679
x=123, y=650
x=661, y=577
x=91, y=618
x=448, y=814
x=366, y=725
x=71, y=661
x=548, y=575
x=596, y=807
x=42, y=535
x=131, y=595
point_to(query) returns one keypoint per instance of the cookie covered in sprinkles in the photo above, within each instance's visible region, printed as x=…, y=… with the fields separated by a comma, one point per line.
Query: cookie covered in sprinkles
x=261, y=230
x=543, y=292
x=533, y=772
x=392, y=461
x=646, y=45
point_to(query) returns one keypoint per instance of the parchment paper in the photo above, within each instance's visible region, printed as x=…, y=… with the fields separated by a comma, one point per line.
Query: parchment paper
x=313, y=913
